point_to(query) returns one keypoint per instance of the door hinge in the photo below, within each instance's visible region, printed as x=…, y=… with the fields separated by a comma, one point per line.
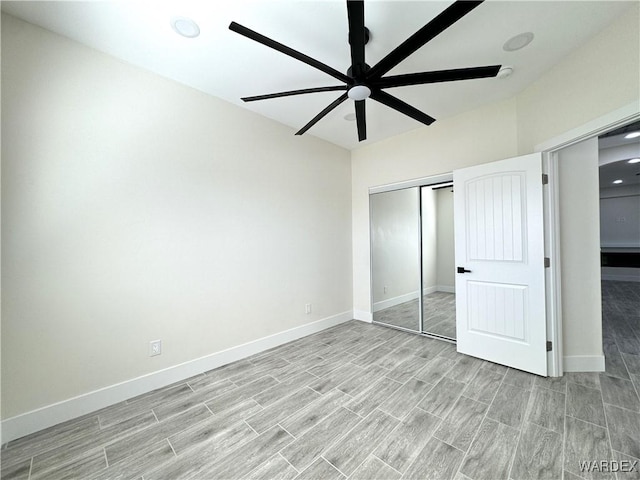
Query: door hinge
x=547, y=262
x=545, y=179
x=549, y=346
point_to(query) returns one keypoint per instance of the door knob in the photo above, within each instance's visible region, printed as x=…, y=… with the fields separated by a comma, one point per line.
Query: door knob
x=462, y=270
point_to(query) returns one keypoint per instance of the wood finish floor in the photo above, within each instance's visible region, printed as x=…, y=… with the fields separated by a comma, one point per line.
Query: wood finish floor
x=439, y=316
x=361, y=401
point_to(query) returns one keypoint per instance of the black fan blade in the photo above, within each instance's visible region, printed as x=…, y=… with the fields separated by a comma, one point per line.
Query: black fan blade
x=315, y=119
x=293, y=92
x=361, y=120
x=437, y=76
x=402, y=107
x=355, y=12
x=244, y=31
x=436, y=26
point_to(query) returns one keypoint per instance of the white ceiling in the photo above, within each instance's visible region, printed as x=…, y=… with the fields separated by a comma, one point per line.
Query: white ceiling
x=229, y=66
x=620, y=170
x=614, y=155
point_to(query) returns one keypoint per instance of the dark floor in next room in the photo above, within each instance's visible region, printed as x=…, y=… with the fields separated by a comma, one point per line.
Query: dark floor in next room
x=361, y=401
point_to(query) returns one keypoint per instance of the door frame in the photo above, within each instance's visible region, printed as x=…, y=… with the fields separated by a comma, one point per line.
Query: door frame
x=550, y=148
x=553, y=274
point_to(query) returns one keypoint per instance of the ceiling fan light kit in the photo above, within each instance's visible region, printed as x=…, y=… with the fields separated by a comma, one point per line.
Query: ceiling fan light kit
x=359, y=92
x=361, y=81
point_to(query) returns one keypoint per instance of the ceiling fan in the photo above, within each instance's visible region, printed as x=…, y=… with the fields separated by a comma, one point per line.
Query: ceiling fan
x=362, y=81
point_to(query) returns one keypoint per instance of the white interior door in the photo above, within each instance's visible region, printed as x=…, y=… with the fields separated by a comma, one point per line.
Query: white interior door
x=499, y=231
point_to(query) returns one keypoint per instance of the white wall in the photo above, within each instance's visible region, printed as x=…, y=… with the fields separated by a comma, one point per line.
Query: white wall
x=620, y=221
x=580, y=249
x=136, y=209
x=445, y=240
x=620, y=217
x=598, y=78
x=620, y=226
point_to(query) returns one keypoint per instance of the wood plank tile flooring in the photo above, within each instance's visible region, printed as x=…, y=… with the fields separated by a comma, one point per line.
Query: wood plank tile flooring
x=361, y=401
x=439, y=315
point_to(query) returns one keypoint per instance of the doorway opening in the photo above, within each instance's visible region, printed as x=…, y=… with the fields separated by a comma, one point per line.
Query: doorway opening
x=619, y=172
x=560, y=359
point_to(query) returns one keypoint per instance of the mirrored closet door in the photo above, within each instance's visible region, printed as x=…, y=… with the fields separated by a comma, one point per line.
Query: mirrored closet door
x=412, y=259
x=438, y=269
x=395, y=258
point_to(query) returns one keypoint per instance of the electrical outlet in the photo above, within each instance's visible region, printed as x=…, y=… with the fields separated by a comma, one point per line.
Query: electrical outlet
x=155, y=348
x=385, y=289
x=307, y=308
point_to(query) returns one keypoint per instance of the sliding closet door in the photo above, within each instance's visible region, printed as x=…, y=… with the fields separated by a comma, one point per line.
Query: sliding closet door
x=438, y=279
x=395, y=258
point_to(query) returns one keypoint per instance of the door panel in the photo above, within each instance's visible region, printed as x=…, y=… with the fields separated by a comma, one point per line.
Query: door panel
x=500, y=298
x=497, y=310
x=494, y=214
x=395, y=258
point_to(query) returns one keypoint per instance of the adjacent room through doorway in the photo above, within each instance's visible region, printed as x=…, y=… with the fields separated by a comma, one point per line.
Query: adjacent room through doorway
x=619, y=161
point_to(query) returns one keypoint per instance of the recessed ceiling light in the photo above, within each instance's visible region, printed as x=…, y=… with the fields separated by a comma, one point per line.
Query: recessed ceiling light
x=632, y=135
x=634, y=160
x=185, y=26
x=617, y=182
x=519, y=41
x=350, y=117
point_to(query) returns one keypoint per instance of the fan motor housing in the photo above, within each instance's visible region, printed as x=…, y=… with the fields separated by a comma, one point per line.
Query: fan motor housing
x=350, y=70
x=367, y=36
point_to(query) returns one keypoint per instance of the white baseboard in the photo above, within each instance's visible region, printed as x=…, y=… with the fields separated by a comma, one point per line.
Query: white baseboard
x=363, y=316
x=445, y=288
x=30, y=422
x=583, y=363
x=429, y=290
x=392, y=302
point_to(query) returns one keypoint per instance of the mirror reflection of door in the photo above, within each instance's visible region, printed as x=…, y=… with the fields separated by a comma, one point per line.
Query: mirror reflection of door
x=438, y=265
x=412, y=255
x=395, y=258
